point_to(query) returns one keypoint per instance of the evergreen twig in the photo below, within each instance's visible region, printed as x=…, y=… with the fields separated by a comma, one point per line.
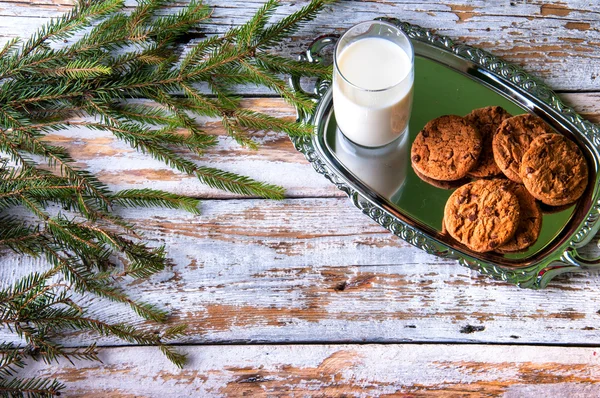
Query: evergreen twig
x=125, y=72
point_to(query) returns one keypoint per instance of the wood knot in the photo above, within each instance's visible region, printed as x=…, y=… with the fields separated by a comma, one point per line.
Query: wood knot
x=468, y=329
x=252, y=379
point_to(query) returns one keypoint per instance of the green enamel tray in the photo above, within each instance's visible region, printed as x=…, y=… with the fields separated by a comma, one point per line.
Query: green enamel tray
x=452, y=78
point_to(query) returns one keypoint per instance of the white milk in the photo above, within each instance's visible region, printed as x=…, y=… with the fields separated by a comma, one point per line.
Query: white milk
x=372, y=104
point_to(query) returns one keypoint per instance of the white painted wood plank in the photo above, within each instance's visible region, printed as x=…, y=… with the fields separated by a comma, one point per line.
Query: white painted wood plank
x=340, y=370
x=317, y=270
x=557, y=41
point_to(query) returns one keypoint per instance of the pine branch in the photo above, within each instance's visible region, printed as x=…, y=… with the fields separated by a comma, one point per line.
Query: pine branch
x=83, y=280
x=232, y=182
x=278, y=64
x=260, y=122
x=32, y=388
x=199, y=52
x=273, y=34
x=173, y=355
x=262, y=76
x=9, y=47
x=65, y=26
x=142, y=13
x=11, y=360
x=80, y=69
x=58, y=157
x=240, y=135
x=18, y=237
x=251, y=29
x=37, y=311
x=167, y=29
x=146, y=114
x=203, y=105
x=153, y=198
x=118, y=56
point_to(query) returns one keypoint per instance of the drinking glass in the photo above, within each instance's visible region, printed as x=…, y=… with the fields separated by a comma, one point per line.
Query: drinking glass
x=373, y=83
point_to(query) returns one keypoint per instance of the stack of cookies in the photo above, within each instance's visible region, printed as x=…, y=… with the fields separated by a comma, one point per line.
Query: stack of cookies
x=500, y=164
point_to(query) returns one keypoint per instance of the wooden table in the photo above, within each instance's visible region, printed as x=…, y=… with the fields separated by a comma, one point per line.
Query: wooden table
x=307, y=295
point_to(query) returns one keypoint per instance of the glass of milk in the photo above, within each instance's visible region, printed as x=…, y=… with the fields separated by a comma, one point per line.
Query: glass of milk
x=372, y=83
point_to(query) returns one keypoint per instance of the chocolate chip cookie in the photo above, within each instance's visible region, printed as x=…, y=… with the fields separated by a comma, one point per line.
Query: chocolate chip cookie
x=446, y=149
x=441, y=184
x=512, y=140
x=554, y=170
x=483, y=214
x=486, y=121
x=530, y=224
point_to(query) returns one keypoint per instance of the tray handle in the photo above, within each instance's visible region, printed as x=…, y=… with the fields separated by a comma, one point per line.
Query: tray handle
x=570, y=261
x=583, y=262
x=313, y=55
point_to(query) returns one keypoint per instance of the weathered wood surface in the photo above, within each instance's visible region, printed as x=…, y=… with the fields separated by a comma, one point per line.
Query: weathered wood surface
x=559, y=41
x=317, y=270
x=313, y=269
x=337, y=370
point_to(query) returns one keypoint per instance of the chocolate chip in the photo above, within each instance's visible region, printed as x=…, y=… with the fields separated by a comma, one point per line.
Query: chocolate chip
x=493, y=244
x=416, y=158
x=425, y=133
x=472, y=217
x=462, y=199
x=529, y=170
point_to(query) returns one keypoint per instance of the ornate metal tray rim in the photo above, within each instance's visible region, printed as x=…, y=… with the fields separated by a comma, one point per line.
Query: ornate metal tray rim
x=565, y=258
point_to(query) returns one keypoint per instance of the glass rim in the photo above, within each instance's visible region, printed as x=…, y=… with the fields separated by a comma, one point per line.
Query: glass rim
x=389, y=25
